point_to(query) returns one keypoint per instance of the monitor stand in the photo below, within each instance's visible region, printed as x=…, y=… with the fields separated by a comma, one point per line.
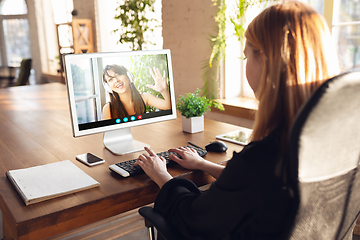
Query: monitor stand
x=121, y=142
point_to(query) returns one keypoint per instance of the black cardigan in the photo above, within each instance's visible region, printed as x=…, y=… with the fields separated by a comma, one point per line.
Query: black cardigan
x=247, y=201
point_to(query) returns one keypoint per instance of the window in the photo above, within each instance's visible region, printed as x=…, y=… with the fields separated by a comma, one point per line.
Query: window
x=343, y=16
x=346, y=32
x=107, y=40
x=236, y=84
x=87, y=98
x=14, y=32
x=62, y=15
x=62, y=10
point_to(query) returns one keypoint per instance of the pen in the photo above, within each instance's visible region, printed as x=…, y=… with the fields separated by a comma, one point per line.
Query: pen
x=194, y=144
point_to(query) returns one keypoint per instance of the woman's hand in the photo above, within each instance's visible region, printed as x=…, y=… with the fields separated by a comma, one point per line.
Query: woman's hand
x=154, y=167
x=160, y=81
x=190, y=158
x=161, y=87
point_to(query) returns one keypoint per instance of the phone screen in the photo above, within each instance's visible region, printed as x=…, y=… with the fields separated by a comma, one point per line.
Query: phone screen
x=90, y=158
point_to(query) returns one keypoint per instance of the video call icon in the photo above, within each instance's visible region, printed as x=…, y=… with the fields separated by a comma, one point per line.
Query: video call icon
x=125, y=119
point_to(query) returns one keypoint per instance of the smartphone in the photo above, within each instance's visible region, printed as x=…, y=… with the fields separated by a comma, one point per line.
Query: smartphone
x=90, y=159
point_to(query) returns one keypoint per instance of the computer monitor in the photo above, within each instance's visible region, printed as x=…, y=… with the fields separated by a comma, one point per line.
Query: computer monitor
x=113, y=92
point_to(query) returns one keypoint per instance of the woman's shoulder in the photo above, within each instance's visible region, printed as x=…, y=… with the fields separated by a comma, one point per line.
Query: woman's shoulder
x=106, y=111
x=106, y=106
x=269, y=143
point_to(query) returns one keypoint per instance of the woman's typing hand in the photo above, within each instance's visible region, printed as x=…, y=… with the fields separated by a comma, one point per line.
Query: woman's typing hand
x=154, y=167
x=190, y=159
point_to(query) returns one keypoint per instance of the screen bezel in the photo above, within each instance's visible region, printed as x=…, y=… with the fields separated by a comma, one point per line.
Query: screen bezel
x=77, y=132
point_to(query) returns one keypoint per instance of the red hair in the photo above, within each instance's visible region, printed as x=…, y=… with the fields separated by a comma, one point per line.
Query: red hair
x=298, y=57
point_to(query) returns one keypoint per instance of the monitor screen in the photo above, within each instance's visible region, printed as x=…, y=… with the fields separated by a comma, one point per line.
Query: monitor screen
x=112, y=92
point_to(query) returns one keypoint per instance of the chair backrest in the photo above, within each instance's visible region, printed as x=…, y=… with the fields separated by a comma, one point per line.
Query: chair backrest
x=25, y=68
x=324, y=159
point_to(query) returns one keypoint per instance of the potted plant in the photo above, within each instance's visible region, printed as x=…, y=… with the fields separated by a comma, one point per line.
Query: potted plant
x=192, y=108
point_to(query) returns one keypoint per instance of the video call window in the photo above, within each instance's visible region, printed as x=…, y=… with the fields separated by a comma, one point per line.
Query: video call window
x=87, y=76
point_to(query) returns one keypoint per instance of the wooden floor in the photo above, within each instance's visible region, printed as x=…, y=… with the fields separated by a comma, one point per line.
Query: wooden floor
x=126, y=226
x=141, y=234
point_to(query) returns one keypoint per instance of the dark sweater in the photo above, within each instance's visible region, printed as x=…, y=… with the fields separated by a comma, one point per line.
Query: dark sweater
x=247, y=201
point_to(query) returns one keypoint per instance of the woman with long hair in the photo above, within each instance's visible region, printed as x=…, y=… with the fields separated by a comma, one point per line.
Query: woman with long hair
x=125, y=99
x=289, y=55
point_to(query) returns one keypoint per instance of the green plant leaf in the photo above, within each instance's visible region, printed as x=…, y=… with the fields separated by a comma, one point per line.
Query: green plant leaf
x=133, y=22
x=193, y=105
x=236, y=19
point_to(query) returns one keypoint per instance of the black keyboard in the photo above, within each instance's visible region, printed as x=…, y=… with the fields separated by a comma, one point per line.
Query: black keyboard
x=127, y=168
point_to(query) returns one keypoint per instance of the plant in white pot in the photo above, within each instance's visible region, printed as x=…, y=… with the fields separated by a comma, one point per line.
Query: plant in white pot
x=192, y=108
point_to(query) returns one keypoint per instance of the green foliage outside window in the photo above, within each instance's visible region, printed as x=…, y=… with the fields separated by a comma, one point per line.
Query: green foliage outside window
x=141, y=66
x=236, y=19
x=134, y=22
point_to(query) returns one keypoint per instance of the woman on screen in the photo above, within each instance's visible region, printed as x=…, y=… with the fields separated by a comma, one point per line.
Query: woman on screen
x=125, y=99
x=289, y=55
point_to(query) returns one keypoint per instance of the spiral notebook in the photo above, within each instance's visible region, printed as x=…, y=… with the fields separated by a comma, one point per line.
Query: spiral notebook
x=40, y=183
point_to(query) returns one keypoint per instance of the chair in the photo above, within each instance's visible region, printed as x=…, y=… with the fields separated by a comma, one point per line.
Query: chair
x=323, y=170
x=325, y=154
x=154, y=220
x=25, y=68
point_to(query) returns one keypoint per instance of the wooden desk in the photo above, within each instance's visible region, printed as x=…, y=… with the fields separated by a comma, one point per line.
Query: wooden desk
x=35, y=129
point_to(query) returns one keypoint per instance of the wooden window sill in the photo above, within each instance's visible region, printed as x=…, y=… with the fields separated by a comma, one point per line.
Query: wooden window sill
x=238, y=107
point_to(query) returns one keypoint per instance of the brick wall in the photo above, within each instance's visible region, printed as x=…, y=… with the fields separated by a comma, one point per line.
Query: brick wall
x=187, y=26
x=187, y=29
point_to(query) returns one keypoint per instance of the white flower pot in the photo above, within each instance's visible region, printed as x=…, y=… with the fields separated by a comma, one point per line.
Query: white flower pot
x=193, y=125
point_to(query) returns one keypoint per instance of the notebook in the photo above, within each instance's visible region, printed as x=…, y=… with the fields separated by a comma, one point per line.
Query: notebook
x=39, y=183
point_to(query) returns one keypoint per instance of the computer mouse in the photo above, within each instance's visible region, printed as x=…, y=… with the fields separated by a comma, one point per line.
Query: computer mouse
x=216, y=146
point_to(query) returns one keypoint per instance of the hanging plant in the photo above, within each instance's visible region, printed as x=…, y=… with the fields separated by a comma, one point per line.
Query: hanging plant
x=211, y=67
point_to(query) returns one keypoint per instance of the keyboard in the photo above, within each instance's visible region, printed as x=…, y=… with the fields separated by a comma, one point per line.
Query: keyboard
x=127, y=168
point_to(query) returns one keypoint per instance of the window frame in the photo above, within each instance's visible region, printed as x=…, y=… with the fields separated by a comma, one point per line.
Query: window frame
x=3, y=53
x=226, y=80
x=95, y=94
